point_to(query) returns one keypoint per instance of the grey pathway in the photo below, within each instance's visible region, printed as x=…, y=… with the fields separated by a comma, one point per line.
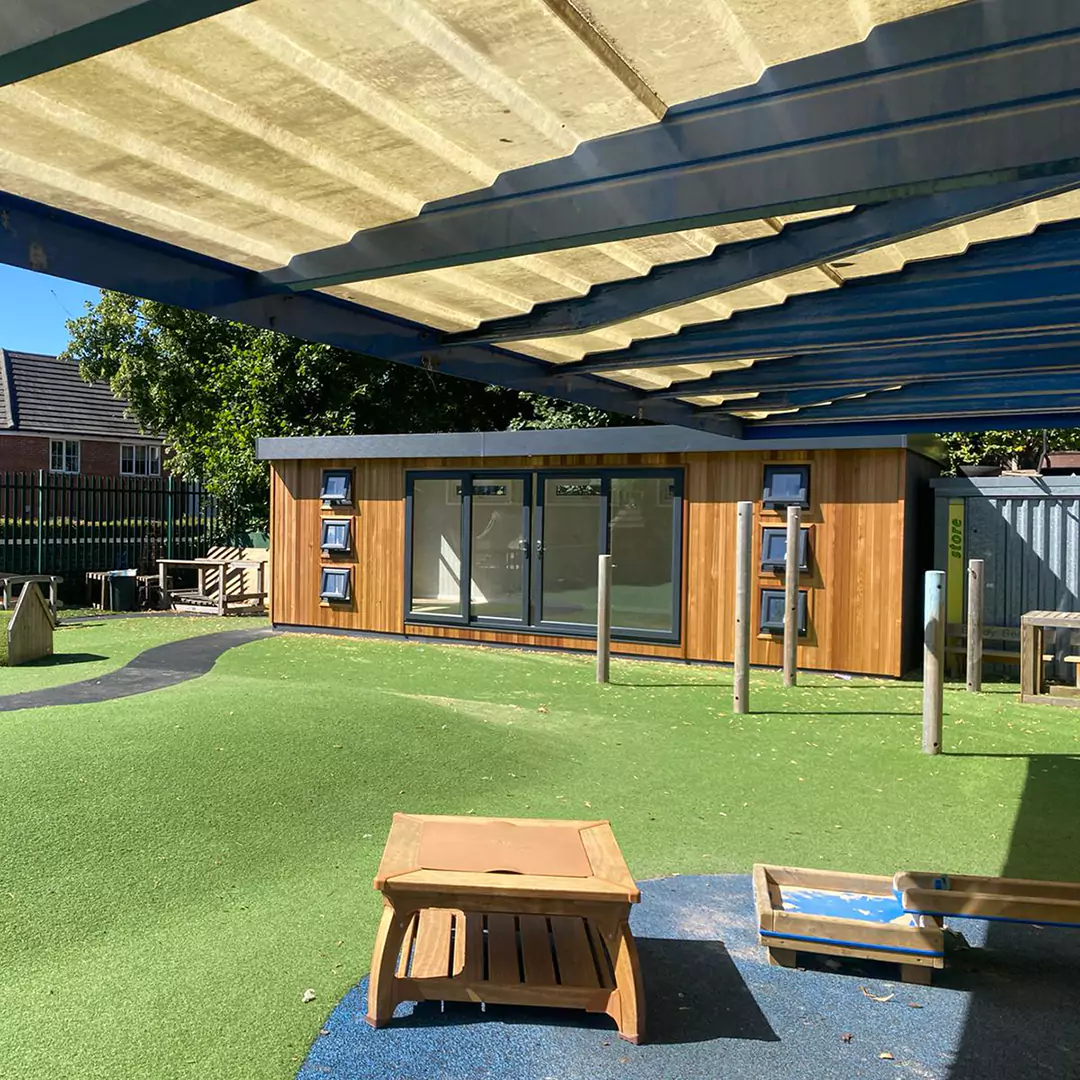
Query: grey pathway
x=164, y=665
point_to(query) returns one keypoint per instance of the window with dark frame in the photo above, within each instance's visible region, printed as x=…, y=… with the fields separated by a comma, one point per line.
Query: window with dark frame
x=335, y=583
x=509, y=552
x=786, y=485
x=336, y=486
x=774, y=549
x=335, y=534
x=772, y=612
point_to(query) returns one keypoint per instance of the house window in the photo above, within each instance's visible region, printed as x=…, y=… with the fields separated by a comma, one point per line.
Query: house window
x=335, y=534
x=774, y=549
x=772, y=611
x=336, y=486
x=64, y=455
x=335, y=583
x=786, y=485
x=140, y=459
x=519, y=549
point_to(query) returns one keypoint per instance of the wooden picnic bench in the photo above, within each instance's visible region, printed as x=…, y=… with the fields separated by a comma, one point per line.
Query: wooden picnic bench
x=9, y=583
x=200, y=599
x=507, y=911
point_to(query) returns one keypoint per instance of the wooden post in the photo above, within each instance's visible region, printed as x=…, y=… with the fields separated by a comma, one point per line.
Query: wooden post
x=603, y=619
x=744, y=542
x=791, y=595
x=976, y=595
x=223, y=580
x=933, y=652
x=163, y=585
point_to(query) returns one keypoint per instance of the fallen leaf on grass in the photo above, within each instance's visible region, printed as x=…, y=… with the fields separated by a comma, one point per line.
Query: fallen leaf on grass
x=876, y=997
x=886, y=1056
x=308, y=995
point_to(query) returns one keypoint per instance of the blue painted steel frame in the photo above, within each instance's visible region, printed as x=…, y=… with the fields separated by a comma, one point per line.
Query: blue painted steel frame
x=981, y=92
x=36, y=237
x=88, y=34
x=800, y=245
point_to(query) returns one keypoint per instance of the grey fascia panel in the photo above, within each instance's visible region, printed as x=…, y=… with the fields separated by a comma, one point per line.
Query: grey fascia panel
x=1011, y=487
x=656, y=439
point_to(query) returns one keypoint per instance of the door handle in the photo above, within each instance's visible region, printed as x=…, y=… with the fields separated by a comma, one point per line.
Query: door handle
x=539, y=549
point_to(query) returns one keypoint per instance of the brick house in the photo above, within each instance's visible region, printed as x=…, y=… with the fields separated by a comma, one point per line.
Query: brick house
x=50, y=419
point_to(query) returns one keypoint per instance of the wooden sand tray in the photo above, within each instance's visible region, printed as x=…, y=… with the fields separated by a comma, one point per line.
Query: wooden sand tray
x=852, y=915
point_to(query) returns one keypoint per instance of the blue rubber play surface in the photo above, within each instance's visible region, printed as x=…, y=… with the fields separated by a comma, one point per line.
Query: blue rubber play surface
x=1009, y=1008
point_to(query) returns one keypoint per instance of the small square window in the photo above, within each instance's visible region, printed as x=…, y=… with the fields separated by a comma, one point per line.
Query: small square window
x=786, y=485
x=335, y=534
x=336, y=486
x=774, y=549
x=772, y=611
x=335, y=583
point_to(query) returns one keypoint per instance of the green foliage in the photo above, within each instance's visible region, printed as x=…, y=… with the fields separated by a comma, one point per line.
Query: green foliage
x=1010, y=449
x=211, y=388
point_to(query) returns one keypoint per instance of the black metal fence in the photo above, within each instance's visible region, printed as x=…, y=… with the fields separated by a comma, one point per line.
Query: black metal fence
x=53, y=523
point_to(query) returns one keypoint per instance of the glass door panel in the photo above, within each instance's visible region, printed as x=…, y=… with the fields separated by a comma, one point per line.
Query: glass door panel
x=499, y=544
x=436, y=546
x=642, y=555
x=571, y=523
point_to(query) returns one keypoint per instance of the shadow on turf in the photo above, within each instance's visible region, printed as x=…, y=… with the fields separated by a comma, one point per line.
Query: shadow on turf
x=693, y=993
x=63, y=659
x=1024, y=1015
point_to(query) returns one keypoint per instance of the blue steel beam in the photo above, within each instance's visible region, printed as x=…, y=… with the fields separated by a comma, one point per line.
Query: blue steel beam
x=36, y=37
x=1030, y=282
x=977, y=93
x=956, y=398
x=51, y=241
x=800, y=245
x=840, y=370
x=789, y=427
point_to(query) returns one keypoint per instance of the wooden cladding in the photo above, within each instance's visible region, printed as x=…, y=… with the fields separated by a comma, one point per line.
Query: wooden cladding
x=854, y=580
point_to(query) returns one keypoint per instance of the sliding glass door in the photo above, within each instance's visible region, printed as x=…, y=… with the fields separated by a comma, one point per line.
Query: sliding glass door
x=519, y=550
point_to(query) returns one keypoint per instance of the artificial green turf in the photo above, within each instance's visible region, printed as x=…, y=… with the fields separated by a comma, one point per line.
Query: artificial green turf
x=87, y=650
x=179, y=867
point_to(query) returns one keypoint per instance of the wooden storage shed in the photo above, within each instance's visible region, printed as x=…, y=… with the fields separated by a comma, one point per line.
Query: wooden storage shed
x=494, y=538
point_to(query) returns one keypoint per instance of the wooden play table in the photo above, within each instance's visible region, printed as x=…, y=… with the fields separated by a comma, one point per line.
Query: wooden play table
x=1033, y=689
x=506, y=911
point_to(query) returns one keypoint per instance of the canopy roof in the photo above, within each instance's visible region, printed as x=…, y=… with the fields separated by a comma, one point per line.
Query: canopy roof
x=756, y=217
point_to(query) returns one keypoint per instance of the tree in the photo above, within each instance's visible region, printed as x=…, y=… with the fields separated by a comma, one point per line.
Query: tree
x=1021, y=449
x=210, y=388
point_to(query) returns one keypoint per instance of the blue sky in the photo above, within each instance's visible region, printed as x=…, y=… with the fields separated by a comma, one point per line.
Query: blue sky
x=35, y=307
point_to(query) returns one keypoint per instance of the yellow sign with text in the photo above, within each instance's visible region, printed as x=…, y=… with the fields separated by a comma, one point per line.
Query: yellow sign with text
x=954, y=569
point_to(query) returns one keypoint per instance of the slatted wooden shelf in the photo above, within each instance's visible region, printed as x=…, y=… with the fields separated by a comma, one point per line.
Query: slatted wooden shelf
x=504, y=959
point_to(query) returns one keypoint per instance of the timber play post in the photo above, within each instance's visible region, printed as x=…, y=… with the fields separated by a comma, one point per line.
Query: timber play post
x=744, y=538
x=933, y=655
x=603, y=619
x=976, y=595
x=791, y=595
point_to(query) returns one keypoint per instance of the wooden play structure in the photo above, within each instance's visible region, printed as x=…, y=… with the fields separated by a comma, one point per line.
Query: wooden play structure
x=222, y=583
x=506, y=911
x=900, y=919
x=1034, y=688
x=10, y=584
x=848, y=915
x=30, y=632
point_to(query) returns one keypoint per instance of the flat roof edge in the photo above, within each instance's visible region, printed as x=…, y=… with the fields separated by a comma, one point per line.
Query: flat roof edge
x=548, y=442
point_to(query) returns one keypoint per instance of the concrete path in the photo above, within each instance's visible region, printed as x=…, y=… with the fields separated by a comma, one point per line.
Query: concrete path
x=164, y=665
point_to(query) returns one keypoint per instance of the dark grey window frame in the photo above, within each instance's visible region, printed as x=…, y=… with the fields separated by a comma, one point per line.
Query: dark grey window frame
x=337, y=500
x=779, y=502
x=771, y=531
x=532, y=526
x=328, y=572
x=328, y=523
x=772, y=627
